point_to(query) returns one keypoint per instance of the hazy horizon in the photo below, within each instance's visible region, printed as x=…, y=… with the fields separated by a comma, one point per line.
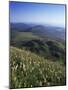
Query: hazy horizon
x=48, y=14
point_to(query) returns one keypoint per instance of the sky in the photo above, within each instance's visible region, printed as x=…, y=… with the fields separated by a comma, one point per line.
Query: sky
x=51, y=14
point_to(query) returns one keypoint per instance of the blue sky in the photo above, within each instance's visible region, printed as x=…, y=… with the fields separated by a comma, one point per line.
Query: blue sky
x=51, y=14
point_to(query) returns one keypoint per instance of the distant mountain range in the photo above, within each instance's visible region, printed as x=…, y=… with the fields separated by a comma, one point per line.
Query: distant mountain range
x=40, y=30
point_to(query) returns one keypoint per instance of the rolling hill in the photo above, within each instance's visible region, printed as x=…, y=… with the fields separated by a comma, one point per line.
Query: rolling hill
x=57, y=33
x=37, y=55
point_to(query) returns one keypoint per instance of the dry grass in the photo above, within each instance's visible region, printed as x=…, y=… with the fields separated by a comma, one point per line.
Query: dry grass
x=30, y=70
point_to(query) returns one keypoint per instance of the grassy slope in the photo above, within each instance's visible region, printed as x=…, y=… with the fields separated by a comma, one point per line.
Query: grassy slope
x=30, y=70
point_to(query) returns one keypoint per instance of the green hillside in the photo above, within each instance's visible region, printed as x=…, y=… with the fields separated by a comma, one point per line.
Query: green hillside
x=28, y=69
x=47, y=49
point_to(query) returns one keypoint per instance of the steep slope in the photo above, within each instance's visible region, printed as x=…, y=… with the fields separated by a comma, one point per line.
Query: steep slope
x=30, y=70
